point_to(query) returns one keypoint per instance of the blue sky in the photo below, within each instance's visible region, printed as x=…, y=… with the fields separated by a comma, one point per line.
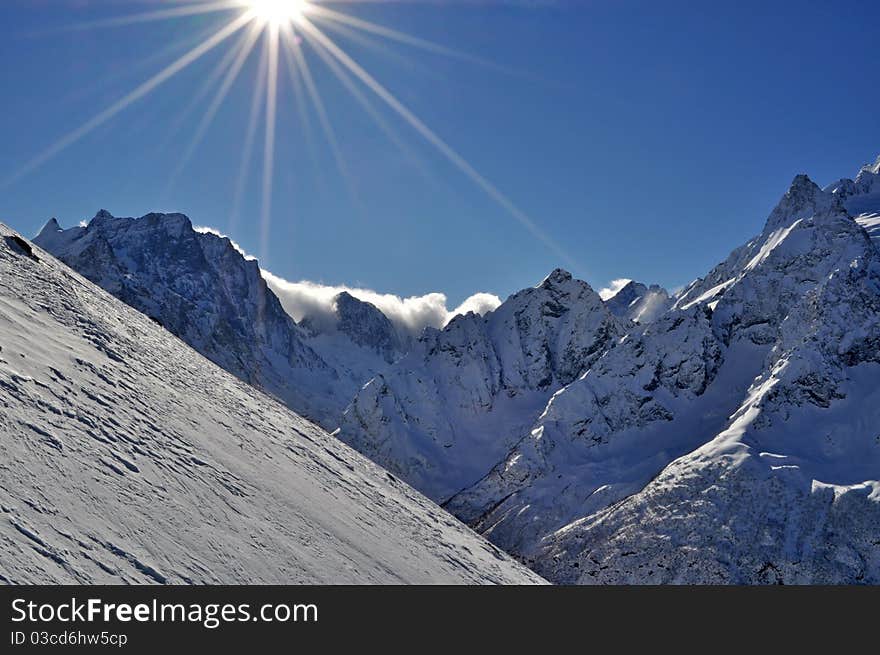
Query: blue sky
x=647, y=139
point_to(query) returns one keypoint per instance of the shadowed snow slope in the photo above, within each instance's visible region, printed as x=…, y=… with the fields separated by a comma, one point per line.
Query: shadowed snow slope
x=127, y=457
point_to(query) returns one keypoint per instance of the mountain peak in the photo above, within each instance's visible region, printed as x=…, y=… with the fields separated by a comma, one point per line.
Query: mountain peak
x=558, y=276
x=103, y=213
x=51, y=227
x=632, y=287
x=367, y=326
x=803, y=199
x=54, y=238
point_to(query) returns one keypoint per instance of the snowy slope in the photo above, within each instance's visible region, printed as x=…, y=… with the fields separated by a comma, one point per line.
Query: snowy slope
x=127, y=457
x=201, y=288
x=732, y=440
x=443, y=415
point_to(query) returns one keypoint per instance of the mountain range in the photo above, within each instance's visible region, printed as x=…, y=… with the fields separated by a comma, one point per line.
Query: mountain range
x=726, y=433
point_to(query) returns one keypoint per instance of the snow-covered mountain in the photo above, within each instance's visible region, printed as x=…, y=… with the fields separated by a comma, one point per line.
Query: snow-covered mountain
x=129, y=458
x=636, y=302
x=201, y=288
x=726, y=434
x=444, y=414
x=734, y=439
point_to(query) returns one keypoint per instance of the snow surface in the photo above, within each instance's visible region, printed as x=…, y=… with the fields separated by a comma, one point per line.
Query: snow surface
x=126, y=457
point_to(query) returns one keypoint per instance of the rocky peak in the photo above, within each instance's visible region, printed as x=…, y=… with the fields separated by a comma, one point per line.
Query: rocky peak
x=558, y=293
x=51, y=227
x=103, y=214
x=803, y=199
x=558, y=277
x=50, y=234
x=861, y=197
x=367, y=326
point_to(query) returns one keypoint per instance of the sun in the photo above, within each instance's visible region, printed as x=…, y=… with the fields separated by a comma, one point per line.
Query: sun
x=277, y=12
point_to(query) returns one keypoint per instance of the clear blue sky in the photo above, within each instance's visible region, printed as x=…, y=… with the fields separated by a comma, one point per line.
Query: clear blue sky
x=647, y=138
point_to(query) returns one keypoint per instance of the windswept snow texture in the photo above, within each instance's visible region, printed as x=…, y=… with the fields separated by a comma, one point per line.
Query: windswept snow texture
x=200, y=287
x=126, y=457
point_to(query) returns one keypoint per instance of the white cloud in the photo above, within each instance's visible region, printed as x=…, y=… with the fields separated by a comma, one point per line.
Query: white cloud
x=413, y=314
x=315, y=301
x=613, y=288
x=479, y=303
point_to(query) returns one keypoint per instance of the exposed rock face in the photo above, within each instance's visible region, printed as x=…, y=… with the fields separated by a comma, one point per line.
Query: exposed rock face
x=368, y=327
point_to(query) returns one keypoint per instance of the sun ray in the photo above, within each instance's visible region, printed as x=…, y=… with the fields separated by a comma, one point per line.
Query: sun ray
x=169, y=52
x=299, y=97
x=161, y=77
x=394, y=35
x=269, y=142
x=193, y=9
x=367, y=41
x=232, y=69
x=284, y=24
x=345, y=78
x=335, y=19
x=323, y=118
x=204, y=89
x=249, y=140
x=445, y=149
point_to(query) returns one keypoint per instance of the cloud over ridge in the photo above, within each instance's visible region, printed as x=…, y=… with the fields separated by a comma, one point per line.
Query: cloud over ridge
x=613, y=288
x=316, y=301
x=313, y=300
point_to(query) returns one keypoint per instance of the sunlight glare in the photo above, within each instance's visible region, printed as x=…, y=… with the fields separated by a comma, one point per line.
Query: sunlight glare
x=278, y=12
